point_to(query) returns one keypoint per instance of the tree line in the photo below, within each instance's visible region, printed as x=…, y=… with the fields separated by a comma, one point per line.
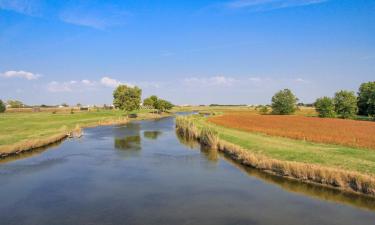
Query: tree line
x=130, y=98
x=344, y=104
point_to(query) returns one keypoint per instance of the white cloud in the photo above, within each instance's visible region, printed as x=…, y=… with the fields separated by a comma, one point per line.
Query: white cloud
x=70, y=86
x=265, y=5
x=20, y=74
x=210, y=81
x=109, y=82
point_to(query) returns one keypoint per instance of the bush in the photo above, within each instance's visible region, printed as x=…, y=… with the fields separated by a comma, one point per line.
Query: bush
x=325, y=107
x=284, y=102
x=2, y=106
x=345, y=104
x=263, y=110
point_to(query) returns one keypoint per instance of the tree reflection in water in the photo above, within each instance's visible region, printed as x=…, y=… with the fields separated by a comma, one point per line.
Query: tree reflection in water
x=153, y=135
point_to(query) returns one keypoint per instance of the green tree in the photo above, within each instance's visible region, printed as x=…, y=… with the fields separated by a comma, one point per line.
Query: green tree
x=151, y=101
x=325, y=107
x=284, y=102
x=15, y=104
x=345, y=104
x=2, y=106
x=157, y=103
x=164, y=105
x=366, y=99
x=263, y=110
x=371, y=105
x=127, y=98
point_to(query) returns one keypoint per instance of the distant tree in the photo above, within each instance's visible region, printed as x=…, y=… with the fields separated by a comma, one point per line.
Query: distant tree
x=164, y=105
x=284, y=102
x=79, y=105
x=325, y=107
x=127, y=98
x=263, y=110
x=366, y=99
x=15, y=104
x=151, y=101
x=371, y=105
x=345, y=104
x=65, y=105
x=157, y=103
x=2, y=106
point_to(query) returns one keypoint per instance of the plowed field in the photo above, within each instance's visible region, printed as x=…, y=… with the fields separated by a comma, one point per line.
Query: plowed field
x=333, y=131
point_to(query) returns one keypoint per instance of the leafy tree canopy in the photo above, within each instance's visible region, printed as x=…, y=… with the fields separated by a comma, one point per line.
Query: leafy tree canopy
x=2, y=106
x=15, y=104
x=284, y=102
x=366, y=99
x=345, y=104
x=325, y=107
x=127, y=98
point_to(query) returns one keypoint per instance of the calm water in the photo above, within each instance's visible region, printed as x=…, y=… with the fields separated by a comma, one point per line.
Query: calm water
x=141, y=173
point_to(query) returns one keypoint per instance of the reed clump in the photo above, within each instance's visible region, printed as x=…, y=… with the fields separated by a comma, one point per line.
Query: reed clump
x=310, y=173
x=208, y=137
x=186, y=128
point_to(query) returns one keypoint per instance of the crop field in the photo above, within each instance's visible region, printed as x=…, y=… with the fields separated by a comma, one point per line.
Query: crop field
x=332, y=131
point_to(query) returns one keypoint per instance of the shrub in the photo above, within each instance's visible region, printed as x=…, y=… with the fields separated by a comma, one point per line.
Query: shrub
x=2, y=106
x=345, y=104
x=284, y=102
x=325, y=107
x=263, y=110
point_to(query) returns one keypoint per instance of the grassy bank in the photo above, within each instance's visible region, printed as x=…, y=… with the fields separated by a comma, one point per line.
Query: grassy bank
x=342, y=167
x=24, y=131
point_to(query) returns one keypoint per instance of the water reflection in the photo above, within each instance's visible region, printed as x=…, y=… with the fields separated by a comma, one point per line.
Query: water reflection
x=128, y=143
x=211, y=154
x=152, y=135
x=128, y=137
x=311, y=190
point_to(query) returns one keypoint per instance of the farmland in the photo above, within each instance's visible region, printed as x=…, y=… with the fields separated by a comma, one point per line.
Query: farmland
x=323, y=130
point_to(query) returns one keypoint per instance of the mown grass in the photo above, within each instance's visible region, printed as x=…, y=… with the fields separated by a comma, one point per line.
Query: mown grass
x=36, y=128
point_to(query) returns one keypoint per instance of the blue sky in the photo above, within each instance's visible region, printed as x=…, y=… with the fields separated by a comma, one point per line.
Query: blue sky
x=190, y=52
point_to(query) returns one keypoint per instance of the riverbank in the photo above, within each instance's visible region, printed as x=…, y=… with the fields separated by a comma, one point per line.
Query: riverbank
x=23, y=132
x=340, y=167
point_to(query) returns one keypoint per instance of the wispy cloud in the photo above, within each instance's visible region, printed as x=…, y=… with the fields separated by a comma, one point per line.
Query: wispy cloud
x=27, y=7
x=70, y=86
x=209, y=81
x=20, y=74
x=266, y=5
x=93, y=14
x=110, y=82
x=104, y=82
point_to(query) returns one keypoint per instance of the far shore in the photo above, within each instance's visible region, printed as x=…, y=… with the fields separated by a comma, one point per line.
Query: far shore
x=65, y=125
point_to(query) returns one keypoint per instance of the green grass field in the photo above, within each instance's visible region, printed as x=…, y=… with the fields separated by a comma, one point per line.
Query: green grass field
x=334, y=156
x=20, y=127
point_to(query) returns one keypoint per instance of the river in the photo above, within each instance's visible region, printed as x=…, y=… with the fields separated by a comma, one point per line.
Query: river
x=142, y=173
